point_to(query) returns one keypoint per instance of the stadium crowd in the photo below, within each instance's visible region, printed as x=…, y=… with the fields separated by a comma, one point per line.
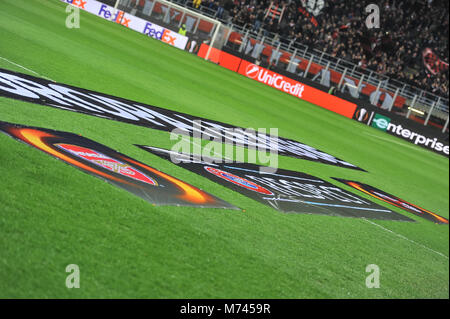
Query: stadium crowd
x=395, y=49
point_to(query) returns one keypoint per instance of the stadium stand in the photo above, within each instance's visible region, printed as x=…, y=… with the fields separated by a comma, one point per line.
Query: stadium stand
x=409, y=30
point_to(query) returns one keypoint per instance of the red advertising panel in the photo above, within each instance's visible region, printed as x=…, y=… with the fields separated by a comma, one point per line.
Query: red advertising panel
x=297, y=89
x=335, y=77
x=222, y=58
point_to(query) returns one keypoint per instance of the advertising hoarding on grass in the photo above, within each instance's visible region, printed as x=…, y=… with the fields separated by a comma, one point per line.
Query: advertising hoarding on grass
x=286, y=191
x=394, y=200
x=41, y=91
x=115, y=168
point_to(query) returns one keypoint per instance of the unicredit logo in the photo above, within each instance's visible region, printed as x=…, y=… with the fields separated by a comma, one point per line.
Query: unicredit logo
x=274, y=79
x=252, y=71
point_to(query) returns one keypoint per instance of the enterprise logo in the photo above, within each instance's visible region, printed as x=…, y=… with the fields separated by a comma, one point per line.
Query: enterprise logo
x=381, y=122
x=417, y=138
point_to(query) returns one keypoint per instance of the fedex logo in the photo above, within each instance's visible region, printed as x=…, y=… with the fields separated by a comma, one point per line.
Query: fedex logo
x=77, y=3
x=118, y=17
x=162, y=34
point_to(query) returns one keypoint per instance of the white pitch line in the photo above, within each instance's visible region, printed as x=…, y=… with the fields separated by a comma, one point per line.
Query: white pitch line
x=397, y=142
x=29, y=70
x=405, y=238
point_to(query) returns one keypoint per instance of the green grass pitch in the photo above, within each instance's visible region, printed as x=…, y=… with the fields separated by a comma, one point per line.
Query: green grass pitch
x=52, y=215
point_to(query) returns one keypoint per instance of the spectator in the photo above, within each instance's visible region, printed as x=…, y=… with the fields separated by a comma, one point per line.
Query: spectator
x=197, y=3
x=220, y=8
x=407, y=28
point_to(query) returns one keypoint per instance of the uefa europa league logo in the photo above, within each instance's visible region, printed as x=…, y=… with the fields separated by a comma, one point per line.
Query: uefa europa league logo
x=362, y=114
